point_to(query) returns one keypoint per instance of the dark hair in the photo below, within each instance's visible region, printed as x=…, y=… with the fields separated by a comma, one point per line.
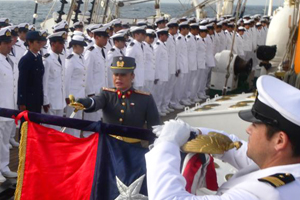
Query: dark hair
x=162, y=33
x=293, y=137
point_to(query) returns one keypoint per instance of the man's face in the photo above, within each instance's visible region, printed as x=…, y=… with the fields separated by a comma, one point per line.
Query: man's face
x=140, y=37
x=101, y=41
x=5, y=47
x=203, y=34
x=58, y=46
x=161, y=25
x=163, y=37
x=117, y=28
x=120, y=44
x=241, y=32
x=259, y=147
x=123, y=81
x=14, y=39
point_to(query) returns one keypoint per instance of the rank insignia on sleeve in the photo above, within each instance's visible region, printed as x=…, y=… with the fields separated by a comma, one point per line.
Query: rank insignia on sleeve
x=277, y=180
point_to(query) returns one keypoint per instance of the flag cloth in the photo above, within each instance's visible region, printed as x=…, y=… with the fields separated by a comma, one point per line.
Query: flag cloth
x=56, y=165
x=199, y=172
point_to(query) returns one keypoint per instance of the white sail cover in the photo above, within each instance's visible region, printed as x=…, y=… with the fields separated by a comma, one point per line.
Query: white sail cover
x=43, y=1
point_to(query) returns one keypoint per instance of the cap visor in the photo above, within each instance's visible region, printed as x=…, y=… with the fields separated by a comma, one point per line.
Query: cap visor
x=247, y=116
x=121, y=71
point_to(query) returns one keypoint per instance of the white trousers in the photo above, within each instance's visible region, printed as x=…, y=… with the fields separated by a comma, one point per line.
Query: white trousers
x=5, y=132
x=190, y=84
x=202, y=82
x=158, y=94
x=169, y=90
x=176, y=96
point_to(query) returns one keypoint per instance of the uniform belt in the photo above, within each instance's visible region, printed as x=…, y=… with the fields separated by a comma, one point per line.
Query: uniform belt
x=126, y=139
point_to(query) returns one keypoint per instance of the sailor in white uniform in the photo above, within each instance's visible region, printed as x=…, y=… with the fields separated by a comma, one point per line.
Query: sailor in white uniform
x=199, y=87
x=43, y=42
x=4, y=22
x=161, y=70
x=192, y=62
x=8, y=86
x=117, y=50
x=54, y=77
x=171, y=46
x=136, y=50
x=95, y=58
x=240, y=41
x=182, y=68
x=269, y=164
x=20, y=45
x=149, y=61
x=76, y=77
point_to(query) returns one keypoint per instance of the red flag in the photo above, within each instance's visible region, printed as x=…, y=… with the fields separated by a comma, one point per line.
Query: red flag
x=54, y=165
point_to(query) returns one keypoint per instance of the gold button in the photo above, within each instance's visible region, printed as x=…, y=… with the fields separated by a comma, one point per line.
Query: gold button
x=122, y=111
x=121, y=120
x=123, y=104
x=123, y=96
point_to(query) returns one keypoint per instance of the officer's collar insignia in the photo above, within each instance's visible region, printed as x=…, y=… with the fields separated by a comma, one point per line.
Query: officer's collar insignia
x=8, y=33
x=277, y=180
x=120, y=63
x=124, y=94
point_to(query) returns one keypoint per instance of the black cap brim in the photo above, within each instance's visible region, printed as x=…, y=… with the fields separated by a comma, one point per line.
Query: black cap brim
x=247, y=116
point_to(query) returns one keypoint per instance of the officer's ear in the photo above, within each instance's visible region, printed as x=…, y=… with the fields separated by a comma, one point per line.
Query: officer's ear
x=132, y=76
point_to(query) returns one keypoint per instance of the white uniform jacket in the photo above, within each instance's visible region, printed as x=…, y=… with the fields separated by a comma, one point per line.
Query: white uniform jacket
x=54, y=81
x=135, y=50
x=171, y=46
x=181, y=54
x=210, y=55
x=161, y=61
x=149, y=62
x=8, y=85
x=76, y=76
x=166, y=183
x=192, y=51
x=201, y=53
x=240, y=45
x=20, y=49
x=113, y=52
x=96, y=66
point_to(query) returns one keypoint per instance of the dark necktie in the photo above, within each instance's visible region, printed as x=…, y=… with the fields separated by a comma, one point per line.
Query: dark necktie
x=59, y=60
x=151, y=46
x=103, y=53
x=12, y=51
x=173, y=38
x=10, y=62
x=121, y=53
x=203, y=40
x=142, y=47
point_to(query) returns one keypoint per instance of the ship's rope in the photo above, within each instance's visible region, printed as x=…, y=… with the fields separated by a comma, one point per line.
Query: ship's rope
x=51, y=10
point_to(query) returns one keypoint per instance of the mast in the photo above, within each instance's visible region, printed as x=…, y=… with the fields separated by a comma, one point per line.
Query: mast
x=157, y=8
x=270, y=8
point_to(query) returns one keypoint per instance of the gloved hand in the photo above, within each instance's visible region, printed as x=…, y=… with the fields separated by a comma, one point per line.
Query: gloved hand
x=86, y=102
x=175, y=131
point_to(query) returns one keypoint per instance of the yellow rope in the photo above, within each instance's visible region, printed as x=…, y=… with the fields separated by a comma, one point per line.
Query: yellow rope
x=22, y=154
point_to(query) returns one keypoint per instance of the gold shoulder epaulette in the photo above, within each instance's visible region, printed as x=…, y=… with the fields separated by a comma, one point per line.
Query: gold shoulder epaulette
x=142, y=92
x=277, y=180
x=109, y=89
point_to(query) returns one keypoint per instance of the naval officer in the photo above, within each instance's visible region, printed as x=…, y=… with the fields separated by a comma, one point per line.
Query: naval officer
x=76, y=75
x=31, y=72
x=54, y=77
x=124, y=105
x=269, y=164
x=8, y=73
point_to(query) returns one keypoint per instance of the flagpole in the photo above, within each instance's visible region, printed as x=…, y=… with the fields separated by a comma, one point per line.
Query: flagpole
x=84, y=125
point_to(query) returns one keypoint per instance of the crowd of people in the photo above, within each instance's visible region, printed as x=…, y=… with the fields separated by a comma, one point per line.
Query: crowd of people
x=174, y=59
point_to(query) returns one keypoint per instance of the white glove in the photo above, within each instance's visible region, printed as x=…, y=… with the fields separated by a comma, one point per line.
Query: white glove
x=175, y=131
